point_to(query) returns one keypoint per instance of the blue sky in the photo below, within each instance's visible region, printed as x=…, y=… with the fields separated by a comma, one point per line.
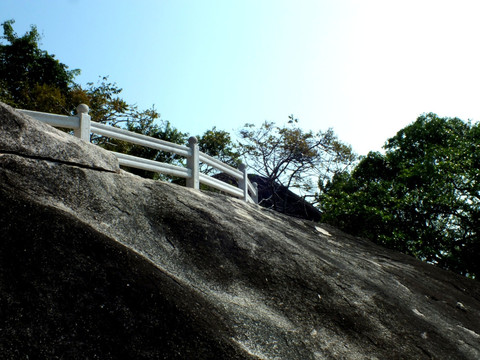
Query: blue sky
x=365, y=68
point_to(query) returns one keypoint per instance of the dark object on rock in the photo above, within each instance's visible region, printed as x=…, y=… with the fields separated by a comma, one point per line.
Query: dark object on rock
x=99, y=263
x=285, y=201
x=279, y=198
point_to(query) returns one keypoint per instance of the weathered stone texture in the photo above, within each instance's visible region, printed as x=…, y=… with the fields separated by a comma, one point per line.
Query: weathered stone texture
x=20, y=134
x=98, y=263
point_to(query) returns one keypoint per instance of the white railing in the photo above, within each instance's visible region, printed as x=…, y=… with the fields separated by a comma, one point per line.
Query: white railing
x=83, y=126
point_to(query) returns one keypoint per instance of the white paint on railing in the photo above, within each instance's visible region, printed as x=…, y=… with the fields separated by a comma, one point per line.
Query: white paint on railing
x=83, y=132
x=243, y=181
x=220, y=185
x=217, y=164
x=152, y=165
x=139, y=139
x=61, y=121
x=83, y=126
x=193, y=164
x=253, y=189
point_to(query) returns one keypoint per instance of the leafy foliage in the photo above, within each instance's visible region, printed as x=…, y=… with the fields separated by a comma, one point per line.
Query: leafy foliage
x=31, y=78
x=218, y=144
x=422, y=197
x=290, y=157
x=106, y=105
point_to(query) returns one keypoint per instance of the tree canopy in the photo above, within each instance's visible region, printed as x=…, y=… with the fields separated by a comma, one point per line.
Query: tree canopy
x=421, y=197
x=291, y=157
x=218, y=144
x=31, y=78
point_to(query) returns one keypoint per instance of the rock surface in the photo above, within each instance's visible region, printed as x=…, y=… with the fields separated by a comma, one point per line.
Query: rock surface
x=98, y=263
x=294, y=205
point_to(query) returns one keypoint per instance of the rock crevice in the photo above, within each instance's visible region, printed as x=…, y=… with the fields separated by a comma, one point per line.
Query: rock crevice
x=56, y=161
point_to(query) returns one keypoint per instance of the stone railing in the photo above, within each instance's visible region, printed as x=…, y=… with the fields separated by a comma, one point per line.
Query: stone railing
x=83, y=126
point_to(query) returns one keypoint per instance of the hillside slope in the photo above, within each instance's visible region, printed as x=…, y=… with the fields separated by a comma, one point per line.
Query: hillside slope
x=98, y=263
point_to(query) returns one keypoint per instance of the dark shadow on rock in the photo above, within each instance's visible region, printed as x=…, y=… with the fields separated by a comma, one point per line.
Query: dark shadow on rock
x=278, y=198
x=69, y=292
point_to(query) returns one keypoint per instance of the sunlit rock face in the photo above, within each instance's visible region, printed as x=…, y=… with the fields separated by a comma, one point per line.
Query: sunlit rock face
x=98, y=263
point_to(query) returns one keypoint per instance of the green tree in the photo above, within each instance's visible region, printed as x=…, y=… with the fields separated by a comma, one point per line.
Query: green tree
x=291, y=157
x=218, y=144
x=31, y=78
x=421, y=197
x=106, y=105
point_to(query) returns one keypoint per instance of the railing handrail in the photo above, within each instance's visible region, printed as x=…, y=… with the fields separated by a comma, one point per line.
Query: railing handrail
x=139, y=139
x=217, y=164
x=83, y=126
x=62, y=121
x=151, y=165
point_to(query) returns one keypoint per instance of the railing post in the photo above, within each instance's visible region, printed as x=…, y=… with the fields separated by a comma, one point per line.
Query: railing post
x=193, y=163
x=84, y=131
x=255, y=196
x=243, y=182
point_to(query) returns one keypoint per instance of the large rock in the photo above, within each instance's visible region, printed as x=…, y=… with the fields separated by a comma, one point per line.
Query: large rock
x=98, y=263
x=284, y=200
x=279, y=198
x=20, y=134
